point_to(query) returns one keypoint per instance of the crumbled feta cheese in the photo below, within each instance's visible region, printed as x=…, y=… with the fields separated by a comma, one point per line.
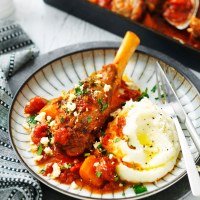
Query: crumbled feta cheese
x=64, y=94
x=52, y=123
x=41, y=117
x=96, y=164
x=48, y=150
x=75, y=114
x=106, y=88
x=71, y=106
x=110, y=156
x=52, y=140
x=96, y=93
x=67, y=166
x=99, y=75
x=44, y=141
x=26, y=126
x=71, y=97
x=34, y=148
x=96, y=144
x=97, y=82
x=76, y=85
x=74, y=185
x=81, y=87
x=115, y=113
x=48, y=118
x=38, y=157
x=56, y=171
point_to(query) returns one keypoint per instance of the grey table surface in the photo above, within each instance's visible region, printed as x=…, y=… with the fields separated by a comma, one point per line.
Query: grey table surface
x=50, y=29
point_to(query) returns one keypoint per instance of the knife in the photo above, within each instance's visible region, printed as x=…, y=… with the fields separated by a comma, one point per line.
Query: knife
x=179, y=110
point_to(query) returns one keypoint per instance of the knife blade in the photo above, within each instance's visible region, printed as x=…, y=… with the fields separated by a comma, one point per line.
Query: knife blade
x=179, y=110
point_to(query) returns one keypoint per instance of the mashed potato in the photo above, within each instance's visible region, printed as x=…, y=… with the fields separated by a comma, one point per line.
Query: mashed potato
x=144, y=139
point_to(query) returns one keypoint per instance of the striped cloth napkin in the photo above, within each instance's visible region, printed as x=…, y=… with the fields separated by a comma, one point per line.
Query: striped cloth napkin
x=16, y=49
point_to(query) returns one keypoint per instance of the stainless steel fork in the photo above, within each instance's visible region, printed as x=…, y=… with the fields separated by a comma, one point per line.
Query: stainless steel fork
x=167, y=105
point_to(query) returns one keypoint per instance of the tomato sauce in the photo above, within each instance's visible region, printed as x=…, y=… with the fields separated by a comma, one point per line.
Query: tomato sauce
x=176, y=11
x=100, y=170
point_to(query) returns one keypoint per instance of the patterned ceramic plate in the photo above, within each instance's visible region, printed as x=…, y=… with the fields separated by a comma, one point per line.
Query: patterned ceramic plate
x=64, y=72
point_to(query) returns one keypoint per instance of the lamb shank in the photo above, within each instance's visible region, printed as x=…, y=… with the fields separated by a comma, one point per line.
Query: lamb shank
x=78, y=115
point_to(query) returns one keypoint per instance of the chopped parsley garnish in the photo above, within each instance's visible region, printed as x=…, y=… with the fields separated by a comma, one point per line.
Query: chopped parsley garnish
x=79, y=91
x=110, y=153
x=101, y=149
x=50, y=136
x=39, y=151
x=89, y=119
x=99, y=146
x=98, y=174
x=31, y=120
x=104, y=106
x=139, y=188
x=161, y=96
x=116, y=178
x=62, y=120
x=66, y=166
x=144, y=94
x=117, y=139
x=102, y=133
x=123, y=183
x=87, y=154
x=154, y=89
x=42, y=171
x=80, y=83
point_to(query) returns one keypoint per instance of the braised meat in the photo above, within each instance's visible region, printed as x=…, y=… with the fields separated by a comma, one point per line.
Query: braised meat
x=84, y=110
x=155, y=5
x=133, y=9
x=74, y=119
x=194, y=28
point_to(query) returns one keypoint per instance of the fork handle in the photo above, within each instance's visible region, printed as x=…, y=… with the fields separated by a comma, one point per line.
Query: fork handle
x=195, y=137
x=192, y=172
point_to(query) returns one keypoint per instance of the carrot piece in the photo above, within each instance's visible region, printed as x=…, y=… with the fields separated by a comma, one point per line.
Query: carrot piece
x=51, y=109
x=88, y=173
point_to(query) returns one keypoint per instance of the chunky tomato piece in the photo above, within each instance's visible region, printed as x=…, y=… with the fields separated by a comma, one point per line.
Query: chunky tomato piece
x=76, y=167
x=35, y=105
x=107, y=168
x=49, y=169
x=63, y=176
x=61, y=135
x=39, y=132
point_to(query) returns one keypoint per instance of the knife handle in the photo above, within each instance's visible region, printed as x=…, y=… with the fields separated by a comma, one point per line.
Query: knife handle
x=195, y=137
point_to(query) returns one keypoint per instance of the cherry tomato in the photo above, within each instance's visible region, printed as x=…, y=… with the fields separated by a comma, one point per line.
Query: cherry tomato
x=35, y=105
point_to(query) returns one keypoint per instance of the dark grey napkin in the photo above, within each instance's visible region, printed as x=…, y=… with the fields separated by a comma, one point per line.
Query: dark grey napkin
x=16, y=49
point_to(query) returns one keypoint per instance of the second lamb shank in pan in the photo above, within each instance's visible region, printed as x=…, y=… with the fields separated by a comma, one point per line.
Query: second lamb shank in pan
x=79, y=114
